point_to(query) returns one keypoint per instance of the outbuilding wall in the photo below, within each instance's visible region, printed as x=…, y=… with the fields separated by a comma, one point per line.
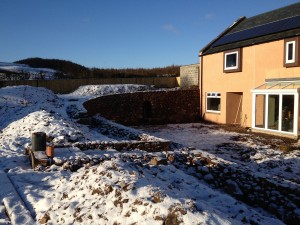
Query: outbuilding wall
x=189, y=75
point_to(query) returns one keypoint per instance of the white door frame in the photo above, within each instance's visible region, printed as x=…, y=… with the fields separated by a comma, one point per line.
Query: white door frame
x=280, y=92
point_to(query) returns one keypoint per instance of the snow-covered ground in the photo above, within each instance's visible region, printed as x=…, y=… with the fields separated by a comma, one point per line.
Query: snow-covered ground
x=35, y=73
x=114, y=187
x=248, y=150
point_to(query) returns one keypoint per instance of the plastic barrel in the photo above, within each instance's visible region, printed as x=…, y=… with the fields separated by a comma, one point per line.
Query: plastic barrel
x=38, y=141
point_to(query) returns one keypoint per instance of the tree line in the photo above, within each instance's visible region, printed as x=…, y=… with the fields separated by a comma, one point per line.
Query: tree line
x=68, y=69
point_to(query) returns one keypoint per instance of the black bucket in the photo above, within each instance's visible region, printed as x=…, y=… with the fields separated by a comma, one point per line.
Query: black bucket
x=38, y=141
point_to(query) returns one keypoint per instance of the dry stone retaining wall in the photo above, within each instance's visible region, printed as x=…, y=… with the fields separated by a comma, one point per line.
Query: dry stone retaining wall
x=149, y=146
x=153, y=107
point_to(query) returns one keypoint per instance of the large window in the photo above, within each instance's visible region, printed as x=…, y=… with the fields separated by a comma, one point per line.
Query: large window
x=213, y=102
x=274, y=111
x=291, y=52
x=232, y=61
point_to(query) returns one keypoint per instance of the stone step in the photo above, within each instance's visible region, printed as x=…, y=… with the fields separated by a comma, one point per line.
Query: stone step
x=3, y=217
x=14, y=205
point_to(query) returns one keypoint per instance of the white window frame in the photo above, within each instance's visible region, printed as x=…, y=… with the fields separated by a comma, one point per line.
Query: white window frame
x=237, y=61
x=293, y=60
x=294, y=92
x=213, y=95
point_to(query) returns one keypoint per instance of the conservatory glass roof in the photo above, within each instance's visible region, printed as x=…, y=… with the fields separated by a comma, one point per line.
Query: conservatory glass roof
x=279, y=85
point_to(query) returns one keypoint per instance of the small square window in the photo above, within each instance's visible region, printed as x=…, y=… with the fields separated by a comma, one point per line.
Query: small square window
x=291, y=52
x=232, y=61
x=213, y=102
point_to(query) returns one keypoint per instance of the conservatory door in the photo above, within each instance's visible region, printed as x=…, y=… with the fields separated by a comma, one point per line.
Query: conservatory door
x=273, y=112
x=287, y=119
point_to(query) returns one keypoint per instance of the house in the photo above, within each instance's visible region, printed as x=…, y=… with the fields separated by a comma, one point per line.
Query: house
x=250, y=73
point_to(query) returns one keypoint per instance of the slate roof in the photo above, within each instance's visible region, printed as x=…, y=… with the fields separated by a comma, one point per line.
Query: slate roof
x=263, y=23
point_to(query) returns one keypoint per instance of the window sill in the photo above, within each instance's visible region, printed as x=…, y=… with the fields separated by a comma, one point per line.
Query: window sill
x=213, y=112
x=232, y=70
x=288, y=65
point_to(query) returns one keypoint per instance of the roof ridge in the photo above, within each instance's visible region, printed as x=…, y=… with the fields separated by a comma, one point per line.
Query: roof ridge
x=270, y=16
x=274, y=10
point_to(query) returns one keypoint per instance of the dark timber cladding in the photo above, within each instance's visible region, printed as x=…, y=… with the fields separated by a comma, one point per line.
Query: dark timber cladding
x=274, y=25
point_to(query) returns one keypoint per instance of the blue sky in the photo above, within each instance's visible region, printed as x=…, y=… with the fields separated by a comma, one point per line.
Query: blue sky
x=119, y=33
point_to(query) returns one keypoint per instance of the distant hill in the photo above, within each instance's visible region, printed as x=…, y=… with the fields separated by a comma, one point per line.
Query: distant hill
x=16, y=71
x=169, y=71
x=69, y=69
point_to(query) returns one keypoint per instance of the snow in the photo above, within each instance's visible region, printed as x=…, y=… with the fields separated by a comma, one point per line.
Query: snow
x=114, y=187
x=22, y=68
x=92, y=91
x=13, y=203
x=249, y=152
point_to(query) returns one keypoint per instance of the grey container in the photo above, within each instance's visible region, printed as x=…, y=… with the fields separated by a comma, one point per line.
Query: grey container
x=38, y=141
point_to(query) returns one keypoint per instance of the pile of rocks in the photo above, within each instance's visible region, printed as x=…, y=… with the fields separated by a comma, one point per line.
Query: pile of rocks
x=72, y=163
x=279, y=197
x=75, y=163
x=148, y=146
x=273, y=195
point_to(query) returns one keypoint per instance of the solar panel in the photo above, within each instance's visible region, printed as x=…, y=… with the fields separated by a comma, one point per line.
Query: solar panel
x=270, y=28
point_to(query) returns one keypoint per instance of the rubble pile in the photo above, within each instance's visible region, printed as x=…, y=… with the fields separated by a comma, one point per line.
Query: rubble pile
x=148, y=146
x=277, y=196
